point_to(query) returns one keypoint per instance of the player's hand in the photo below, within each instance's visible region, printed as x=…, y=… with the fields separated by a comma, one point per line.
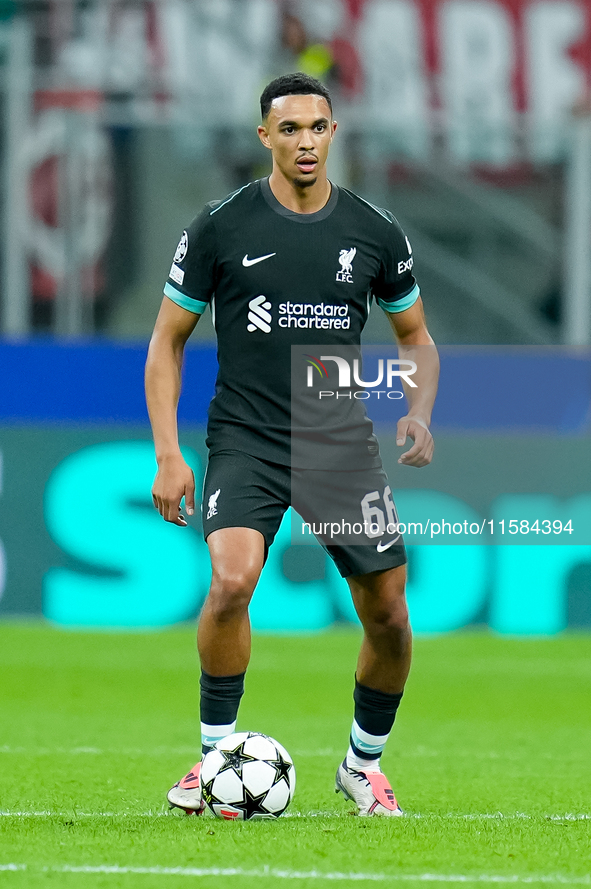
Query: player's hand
x=421, y=452
x=174, y=480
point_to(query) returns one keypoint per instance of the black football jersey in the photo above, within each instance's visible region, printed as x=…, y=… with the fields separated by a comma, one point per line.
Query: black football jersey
x=276, y=279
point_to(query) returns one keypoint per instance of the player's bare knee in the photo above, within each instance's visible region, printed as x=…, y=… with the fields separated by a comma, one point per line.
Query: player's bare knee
x=226, y=607
x=389, y=618
x=230, y=594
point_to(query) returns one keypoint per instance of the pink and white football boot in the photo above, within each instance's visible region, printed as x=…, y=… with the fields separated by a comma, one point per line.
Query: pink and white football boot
x=186, y=793
x=369, y=790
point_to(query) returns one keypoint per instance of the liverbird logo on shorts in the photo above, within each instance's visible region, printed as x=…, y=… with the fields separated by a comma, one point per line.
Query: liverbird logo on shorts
x=346, y=258
x=212, y=503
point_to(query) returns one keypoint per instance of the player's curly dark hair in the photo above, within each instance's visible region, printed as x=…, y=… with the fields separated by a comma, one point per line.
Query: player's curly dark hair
x=298, y=84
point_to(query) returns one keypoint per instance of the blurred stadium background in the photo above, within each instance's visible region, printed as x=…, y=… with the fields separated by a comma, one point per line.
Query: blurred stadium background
x=469, y=119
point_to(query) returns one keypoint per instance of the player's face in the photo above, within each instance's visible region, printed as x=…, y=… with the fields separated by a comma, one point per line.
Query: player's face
x=298, y=131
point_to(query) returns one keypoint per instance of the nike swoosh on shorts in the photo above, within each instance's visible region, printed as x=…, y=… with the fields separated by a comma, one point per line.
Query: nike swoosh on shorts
x=246, y=261
x=384, y=546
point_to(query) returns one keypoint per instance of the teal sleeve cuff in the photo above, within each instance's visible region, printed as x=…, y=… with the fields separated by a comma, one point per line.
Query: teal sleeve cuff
x=402, y=304
x=185, y=302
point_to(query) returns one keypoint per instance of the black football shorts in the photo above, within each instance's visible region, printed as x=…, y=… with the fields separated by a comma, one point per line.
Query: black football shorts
x=351, y=513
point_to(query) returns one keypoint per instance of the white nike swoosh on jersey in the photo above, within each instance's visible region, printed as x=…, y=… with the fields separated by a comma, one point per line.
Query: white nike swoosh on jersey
x=246, y=261
x=383, y=546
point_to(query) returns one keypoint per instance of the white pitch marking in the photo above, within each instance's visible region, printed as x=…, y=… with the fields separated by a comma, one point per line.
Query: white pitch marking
x=138, y=751
x=96, y=751
x=418, y=752
x=432, y=816
x=276, y=873
x=75, y=814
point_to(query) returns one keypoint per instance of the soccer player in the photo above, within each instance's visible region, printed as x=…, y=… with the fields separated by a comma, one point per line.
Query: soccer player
x=291, y=238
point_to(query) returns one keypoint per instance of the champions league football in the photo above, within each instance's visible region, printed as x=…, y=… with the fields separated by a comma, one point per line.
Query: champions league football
x=248, y=777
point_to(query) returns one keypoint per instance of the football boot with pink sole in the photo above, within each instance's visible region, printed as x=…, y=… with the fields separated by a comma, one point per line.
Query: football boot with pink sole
x=186, y=793
x=369, y=790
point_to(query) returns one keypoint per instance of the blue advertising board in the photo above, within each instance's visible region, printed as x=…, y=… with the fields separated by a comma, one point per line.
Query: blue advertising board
x=81, y=543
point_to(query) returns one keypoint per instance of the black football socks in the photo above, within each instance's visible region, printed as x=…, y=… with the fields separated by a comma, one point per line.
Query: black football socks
x=220, y=699
x=375, y=712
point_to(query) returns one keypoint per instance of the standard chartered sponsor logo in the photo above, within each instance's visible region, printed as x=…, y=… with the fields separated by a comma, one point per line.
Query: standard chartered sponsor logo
x=259, y=315
x=319, y=316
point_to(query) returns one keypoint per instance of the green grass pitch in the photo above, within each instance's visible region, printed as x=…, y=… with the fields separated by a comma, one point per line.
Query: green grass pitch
x=490, y=758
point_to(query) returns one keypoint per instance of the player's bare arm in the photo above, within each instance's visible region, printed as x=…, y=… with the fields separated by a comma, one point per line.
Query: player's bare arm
x=416, y=344
x=174, y=479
